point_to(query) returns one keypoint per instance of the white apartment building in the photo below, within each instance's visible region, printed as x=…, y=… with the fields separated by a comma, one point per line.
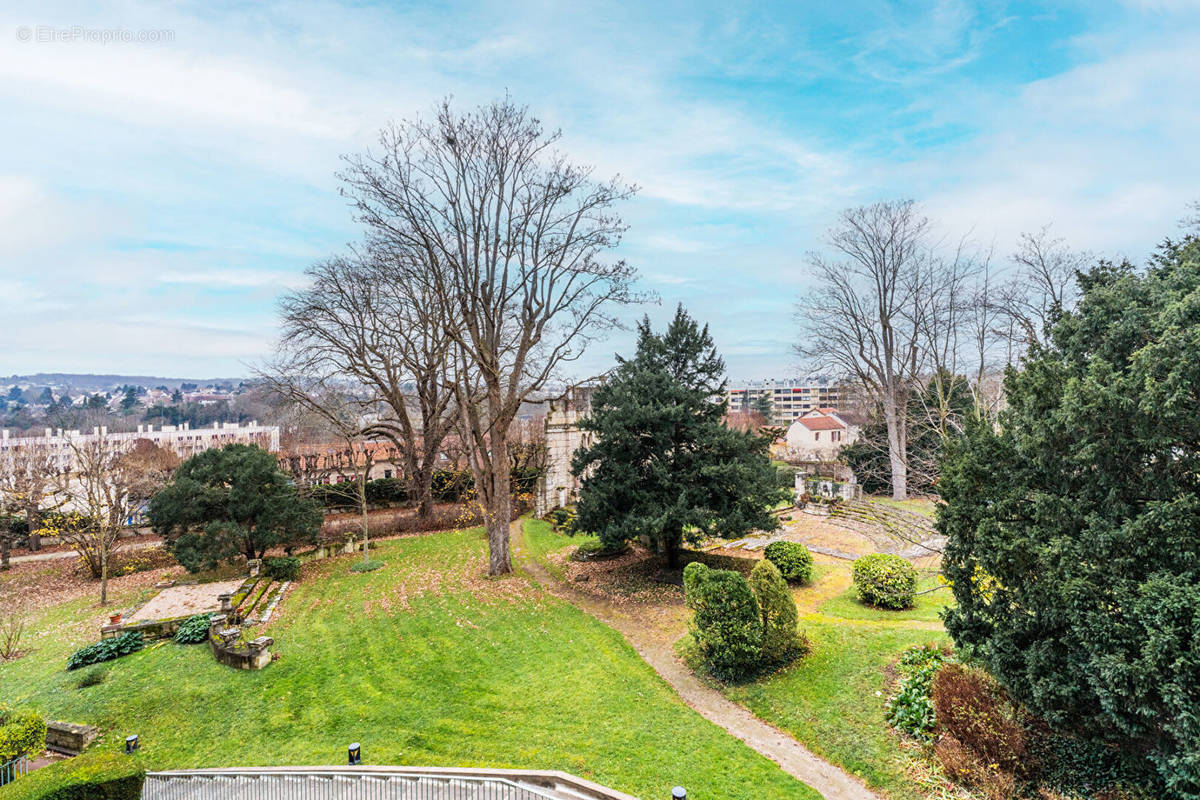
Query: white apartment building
x=183, y=440
x=790, y=398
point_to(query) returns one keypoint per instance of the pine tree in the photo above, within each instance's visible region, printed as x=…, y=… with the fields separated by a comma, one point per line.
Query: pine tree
x=664, y=466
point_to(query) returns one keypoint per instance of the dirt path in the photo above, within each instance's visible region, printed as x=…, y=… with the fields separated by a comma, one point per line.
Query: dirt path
x=795, y=759
x=54, y=555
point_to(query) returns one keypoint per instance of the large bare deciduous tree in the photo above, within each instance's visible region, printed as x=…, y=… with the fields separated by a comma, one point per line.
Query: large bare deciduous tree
x=107, y=484
x=886, y=307
x=512, y=241
x=373, y=321
x=1041, y=289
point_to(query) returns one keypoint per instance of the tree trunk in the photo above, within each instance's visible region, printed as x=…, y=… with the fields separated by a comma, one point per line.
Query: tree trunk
x=896, y=447
x=498, y=513
x=672, y=544
x=423, y=483
x=103, y=575
x=34, y=520
x=362, y=499
x=5, y=550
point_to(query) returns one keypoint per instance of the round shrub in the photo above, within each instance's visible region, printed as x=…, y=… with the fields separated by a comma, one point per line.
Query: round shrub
x=726, y=624
x=781, y=641
x=794, y=561
x=370, y=565
x=194, y=629
x=22, y=733
x=885, y=581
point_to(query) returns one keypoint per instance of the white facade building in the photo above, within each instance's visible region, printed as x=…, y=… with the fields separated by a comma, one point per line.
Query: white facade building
x=789, y=398
x=183, y=440
x=818, y=435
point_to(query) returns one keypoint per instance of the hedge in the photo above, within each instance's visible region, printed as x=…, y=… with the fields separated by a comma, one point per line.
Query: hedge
x=781, y=641
x=22, y=733
x=283, y=568
x=794, y=561
x=95, y=775
x=885, y=581
x=107, y=649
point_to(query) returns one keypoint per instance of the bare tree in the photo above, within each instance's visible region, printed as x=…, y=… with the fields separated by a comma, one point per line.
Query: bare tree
x=510, y=239
x=367, y=322
x=26, y=479
x=869, y=314
x=342, y=413
x=107, y=486
x=1042, y=288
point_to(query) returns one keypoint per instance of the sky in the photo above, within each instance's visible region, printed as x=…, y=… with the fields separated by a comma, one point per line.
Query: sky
x=159, y=190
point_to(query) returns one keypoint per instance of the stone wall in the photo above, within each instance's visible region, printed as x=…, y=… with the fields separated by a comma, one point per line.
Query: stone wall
x=558, y=487
x=229, y=649
x=68, y=737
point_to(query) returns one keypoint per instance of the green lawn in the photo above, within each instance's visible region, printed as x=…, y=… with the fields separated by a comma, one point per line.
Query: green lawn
x=426, y=663
x=828, y=700
x=541, y=539
x=928, y=607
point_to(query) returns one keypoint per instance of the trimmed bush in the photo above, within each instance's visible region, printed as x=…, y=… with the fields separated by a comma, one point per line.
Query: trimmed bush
x=885, y=581
x=794, y=561
x=370, y=565
x=95, y=775
x=781, y=641
x=785, y=477
x=93, y=677
x=335, y=496
x=22, y=733
x=282, y=568
x=107, y=650
x=726, y=625
x=387, y=492
x=194, y=629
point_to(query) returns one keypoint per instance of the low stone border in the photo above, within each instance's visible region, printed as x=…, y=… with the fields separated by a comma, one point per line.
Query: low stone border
x=228, y=648
x=69, y=738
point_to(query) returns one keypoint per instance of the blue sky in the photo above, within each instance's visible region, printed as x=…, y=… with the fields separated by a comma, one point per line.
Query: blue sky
x=156, y=197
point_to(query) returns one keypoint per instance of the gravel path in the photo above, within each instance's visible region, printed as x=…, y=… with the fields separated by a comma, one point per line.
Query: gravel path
x=57, y=554
x=798, y=761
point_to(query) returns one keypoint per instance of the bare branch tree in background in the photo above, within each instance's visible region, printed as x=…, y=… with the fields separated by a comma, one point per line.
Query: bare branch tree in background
x=371, y=321
x=341, y=413
x=26, y=484
x=107, y=484
x=868, y=314
x=1042, y=288
x=511, y=239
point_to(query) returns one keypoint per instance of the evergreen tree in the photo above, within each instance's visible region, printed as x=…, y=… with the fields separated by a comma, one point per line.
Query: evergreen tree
x=1072, y=525
x=664, y=465
x=229, y=502
x=764, y=407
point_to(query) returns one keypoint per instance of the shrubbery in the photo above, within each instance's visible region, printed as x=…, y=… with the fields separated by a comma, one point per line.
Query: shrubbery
x=741, y=626
x=726, y=622
x=95, y=775
x=387, y=492
x=107, y=649
x=194, y=629
x=452, y=485
x=794, y=561
x=22, y=733
x=885, y=581
x=910, y=710
x=785, y=477
x=781, y=641
x=282, y=568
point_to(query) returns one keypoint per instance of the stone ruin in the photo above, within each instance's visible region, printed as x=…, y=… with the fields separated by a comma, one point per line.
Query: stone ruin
x=558, y=487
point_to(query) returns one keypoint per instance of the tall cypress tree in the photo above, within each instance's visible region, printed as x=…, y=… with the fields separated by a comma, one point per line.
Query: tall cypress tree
x=664, y=465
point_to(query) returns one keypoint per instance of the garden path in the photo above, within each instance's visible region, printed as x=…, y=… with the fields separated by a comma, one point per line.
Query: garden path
x=657, y=650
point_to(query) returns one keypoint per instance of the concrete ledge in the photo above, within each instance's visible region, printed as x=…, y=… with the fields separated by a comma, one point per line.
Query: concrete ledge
x=69, y=738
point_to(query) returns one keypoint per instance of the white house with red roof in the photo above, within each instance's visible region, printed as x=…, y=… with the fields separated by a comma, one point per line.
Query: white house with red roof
x=819, y=434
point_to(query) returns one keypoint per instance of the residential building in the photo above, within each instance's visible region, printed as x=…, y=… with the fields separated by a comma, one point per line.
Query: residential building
x=183, y=440
x=818, y=435
x=790, y=398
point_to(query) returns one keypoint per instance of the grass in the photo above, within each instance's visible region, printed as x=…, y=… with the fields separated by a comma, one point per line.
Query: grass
x=928, y=607
x=424, y=661
x=925, y=506
x=828, y=700
x=541, y=540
